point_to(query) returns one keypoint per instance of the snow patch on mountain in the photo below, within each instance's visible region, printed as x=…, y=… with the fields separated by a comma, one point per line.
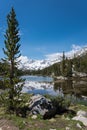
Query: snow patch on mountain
x=29, y=64
x=75, y=51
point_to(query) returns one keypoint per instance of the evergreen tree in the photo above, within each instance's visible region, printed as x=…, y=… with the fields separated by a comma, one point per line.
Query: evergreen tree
x=63, y=65
x=11, y=79
x=69, y=68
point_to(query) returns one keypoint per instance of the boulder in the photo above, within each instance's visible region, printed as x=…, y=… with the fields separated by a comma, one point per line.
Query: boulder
x=81, y=116
x=82, y=119
x=41, y=105
x=82, y=113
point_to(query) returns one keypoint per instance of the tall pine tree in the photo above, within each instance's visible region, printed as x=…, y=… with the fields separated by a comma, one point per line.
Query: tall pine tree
x=63, y=65
x=11, y=79
x=69, y=68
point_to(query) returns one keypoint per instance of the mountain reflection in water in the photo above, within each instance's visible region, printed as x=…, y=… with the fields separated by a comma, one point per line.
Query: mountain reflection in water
x=46, y=85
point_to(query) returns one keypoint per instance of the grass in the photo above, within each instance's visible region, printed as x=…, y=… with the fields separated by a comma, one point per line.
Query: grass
x=78, y=107
x=60, y=122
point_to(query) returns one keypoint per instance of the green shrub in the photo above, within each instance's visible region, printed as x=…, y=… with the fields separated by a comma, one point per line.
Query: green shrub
x=60, y=103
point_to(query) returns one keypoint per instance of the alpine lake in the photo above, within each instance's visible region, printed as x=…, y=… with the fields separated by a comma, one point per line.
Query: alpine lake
x=75, y=89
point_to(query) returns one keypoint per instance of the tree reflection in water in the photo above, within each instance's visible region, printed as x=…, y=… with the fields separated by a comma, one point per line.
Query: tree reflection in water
x=71, y=87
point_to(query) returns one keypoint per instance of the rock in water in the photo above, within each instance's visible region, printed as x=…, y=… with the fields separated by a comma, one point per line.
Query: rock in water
x=41, y=105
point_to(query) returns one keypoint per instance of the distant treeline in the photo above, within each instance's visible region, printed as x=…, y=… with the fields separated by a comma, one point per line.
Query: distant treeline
x=64, y=68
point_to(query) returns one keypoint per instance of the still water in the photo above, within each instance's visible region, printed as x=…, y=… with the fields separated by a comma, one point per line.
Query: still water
x=76, y=87
x=38, y=78
x=46, y=85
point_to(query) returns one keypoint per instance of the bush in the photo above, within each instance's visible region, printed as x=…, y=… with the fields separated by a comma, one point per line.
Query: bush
x=20, y=107
x=61, y=104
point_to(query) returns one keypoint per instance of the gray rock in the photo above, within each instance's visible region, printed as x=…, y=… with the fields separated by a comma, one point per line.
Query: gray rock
x=52, y=120
x=41, y=105
x=78, y=125
x=67, y=128
x=81, y=118
x=34, y=117
x=82, y=113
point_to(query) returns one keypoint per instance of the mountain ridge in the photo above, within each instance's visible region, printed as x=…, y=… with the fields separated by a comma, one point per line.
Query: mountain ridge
x=30, y=64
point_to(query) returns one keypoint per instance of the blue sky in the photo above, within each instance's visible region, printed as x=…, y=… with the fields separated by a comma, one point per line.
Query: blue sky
x=46, y=26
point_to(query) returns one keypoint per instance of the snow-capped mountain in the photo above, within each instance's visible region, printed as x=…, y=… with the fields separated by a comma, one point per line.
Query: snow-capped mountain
x=29, y=64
